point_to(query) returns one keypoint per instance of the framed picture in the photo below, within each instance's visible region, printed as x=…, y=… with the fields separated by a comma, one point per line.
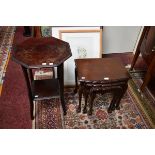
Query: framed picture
x=84, y=44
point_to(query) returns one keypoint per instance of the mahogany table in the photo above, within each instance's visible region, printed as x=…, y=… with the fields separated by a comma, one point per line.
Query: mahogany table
x=100, y=75
x=39, y=53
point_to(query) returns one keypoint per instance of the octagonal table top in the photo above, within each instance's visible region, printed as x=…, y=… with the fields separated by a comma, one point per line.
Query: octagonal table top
x=42, y=52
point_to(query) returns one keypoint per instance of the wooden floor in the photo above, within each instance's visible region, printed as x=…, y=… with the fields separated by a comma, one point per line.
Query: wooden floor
x=126, y=58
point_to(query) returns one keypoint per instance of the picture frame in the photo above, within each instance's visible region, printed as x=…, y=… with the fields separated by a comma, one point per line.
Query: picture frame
x=84, y=43
x=85, y=32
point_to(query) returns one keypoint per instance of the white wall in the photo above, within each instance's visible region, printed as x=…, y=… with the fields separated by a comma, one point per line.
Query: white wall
x=120, y=39
x=116, y=39
x=55, y=30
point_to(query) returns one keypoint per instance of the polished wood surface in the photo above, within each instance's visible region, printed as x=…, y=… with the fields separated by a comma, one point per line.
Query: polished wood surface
x=146, y=47
x=99, y=68
x=99, y=76
x=45, y=89
x=35, y=52
x=43, y=53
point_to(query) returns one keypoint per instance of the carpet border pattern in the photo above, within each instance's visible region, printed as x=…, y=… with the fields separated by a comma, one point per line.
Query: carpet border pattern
x=7, y=36
x=133, y=92
x=146, y=108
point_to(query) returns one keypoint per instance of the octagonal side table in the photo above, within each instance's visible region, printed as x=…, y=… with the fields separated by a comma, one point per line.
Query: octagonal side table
x=37, y=53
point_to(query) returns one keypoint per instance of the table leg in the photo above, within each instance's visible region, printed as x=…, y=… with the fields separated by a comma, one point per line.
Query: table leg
x=76, y=82
x=60, y=75
x=124, y=88
x=29, y=90
x=92, y=97
x=86, y=92
x=30, y=74
x=53, y=73
x=80, y=92
x=116, y=96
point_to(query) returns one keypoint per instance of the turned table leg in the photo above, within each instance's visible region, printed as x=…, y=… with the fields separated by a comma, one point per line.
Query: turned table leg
x=86, y=93
x=116, y=96
x=124, y=88
x=80, y=92
x=92, y=97
x=76, y=81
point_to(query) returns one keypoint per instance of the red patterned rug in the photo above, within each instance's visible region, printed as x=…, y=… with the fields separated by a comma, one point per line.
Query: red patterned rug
x=130, y=116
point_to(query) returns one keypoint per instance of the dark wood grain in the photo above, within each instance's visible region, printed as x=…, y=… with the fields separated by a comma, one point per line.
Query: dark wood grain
x=96, y=69
x=33, y=52
x=92, y=75
x=45, y=89
x=146, y=47
x=60, y=74
x=45, y=52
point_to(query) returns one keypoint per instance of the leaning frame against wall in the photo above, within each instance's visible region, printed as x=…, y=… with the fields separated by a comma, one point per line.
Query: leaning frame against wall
x=84, y=43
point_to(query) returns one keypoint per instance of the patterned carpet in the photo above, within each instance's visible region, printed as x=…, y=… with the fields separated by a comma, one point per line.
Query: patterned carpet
x=6, y=40
x=145, y=101
x=132, y=114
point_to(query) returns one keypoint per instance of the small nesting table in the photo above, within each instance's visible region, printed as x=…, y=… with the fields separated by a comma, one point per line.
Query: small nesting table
x=36, y=53
x=100, y=75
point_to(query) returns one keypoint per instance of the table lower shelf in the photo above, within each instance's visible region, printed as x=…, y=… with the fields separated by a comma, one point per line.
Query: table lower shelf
x=45, y=89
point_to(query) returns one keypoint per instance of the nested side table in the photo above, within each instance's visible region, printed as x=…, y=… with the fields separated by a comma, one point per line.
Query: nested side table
x=36, y=53
x=100, y=75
